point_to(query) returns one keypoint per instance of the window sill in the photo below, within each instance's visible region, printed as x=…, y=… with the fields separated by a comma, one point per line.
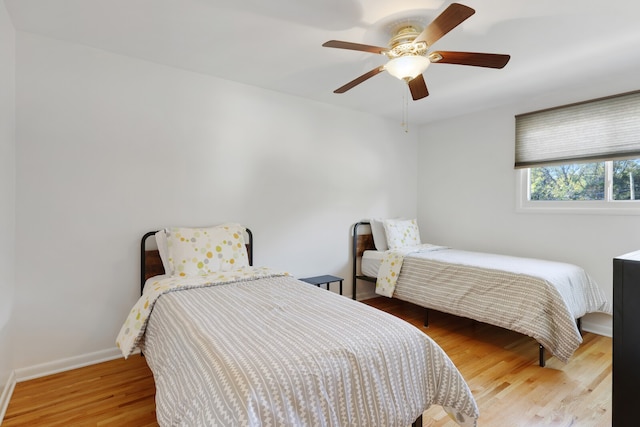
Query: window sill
x=579, y=208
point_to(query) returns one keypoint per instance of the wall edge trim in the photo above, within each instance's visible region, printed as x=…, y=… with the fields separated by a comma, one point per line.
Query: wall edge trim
x=7, y=392
x=66, y=364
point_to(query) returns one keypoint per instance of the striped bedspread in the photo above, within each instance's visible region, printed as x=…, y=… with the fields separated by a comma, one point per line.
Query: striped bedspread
x=538, y=298
x=277, y=351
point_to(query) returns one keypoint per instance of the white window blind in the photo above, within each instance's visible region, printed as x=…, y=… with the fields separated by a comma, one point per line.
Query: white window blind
x=602, y=129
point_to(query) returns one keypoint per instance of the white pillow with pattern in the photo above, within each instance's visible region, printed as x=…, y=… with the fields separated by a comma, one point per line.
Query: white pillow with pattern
x=402, y=233
x=202, y=251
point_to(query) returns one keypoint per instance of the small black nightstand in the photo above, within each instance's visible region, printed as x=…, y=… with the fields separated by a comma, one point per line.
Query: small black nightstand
x=324, y=280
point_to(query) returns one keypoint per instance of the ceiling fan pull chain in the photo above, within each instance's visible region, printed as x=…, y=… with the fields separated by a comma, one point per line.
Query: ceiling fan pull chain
x=405, y=110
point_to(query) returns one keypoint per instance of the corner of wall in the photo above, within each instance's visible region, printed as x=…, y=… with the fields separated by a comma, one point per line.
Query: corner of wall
x=8, y=197
x=7, y=392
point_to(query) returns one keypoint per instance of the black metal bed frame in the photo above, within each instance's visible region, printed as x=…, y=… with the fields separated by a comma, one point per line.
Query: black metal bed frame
x=356, y=277
x=354, y=251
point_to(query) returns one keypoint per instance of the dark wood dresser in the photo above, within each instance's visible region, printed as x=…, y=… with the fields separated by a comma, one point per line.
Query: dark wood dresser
x=626, y=339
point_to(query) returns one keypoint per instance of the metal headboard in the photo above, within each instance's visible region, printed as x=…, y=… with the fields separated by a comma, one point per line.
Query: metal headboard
x=361, y=243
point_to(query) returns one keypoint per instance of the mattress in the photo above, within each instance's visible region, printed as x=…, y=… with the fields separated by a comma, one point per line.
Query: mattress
x=371, y=263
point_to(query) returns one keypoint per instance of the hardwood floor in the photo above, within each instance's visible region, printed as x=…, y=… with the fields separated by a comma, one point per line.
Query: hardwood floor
x=116, y=393
x=500, y=366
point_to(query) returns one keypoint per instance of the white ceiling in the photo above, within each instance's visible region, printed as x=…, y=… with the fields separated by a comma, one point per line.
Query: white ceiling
x=276, y=44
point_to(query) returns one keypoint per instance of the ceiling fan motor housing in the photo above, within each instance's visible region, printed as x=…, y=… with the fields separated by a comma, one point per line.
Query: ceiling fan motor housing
x=401, y=44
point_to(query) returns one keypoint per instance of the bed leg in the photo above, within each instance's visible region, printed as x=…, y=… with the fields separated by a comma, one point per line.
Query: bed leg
x=417, y=422
x=426, y=317
x=579, y=323
x=541, y=358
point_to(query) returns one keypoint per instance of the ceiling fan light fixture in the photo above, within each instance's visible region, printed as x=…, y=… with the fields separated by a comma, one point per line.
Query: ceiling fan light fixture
x=407, y=67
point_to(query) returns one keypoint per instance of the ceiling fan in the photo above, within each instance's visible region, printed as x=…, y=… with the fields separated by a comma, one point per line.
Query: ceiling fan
x=409, y=55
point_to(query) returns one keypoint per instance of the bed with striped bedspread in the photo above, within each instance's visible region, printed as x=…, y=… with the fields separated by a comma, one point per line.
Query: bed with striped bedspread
x=538, y=298
x=277, y=351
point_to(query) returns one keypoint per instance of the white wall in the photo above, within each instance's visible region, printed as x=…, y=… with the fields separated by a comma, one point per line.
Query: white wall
x=110, y=147
x=467, y=196
x=7, y=193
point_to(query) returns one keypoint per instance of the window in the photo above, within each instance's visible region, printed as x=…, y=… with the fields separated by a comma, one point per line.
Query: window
x=625, y=183
x=613, y=180
x=581, y=156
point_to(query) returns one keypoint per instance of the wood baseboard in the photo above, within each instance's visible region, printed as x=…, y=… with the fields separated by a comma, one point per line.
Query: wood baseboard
x=7, y=392
x=62, y=365
x=598, y=329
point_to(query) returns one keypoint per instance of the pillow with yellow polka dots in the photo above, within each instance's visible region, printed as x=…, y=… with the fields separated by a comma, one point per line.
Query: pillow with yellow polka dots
x=402, y=233
x=202, y=251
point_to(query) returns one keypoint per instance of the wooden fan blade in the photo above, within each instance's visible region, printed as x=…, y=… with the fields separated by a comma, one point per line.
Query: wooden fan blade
x=418, y=88
x=489, y=60
x=359, y=80
x=355, y=46
x=452, y=16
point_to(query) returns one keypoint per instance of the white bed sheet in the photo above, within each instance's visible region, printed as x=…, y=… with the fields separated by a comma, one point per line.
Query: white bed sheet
x=371, y=263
